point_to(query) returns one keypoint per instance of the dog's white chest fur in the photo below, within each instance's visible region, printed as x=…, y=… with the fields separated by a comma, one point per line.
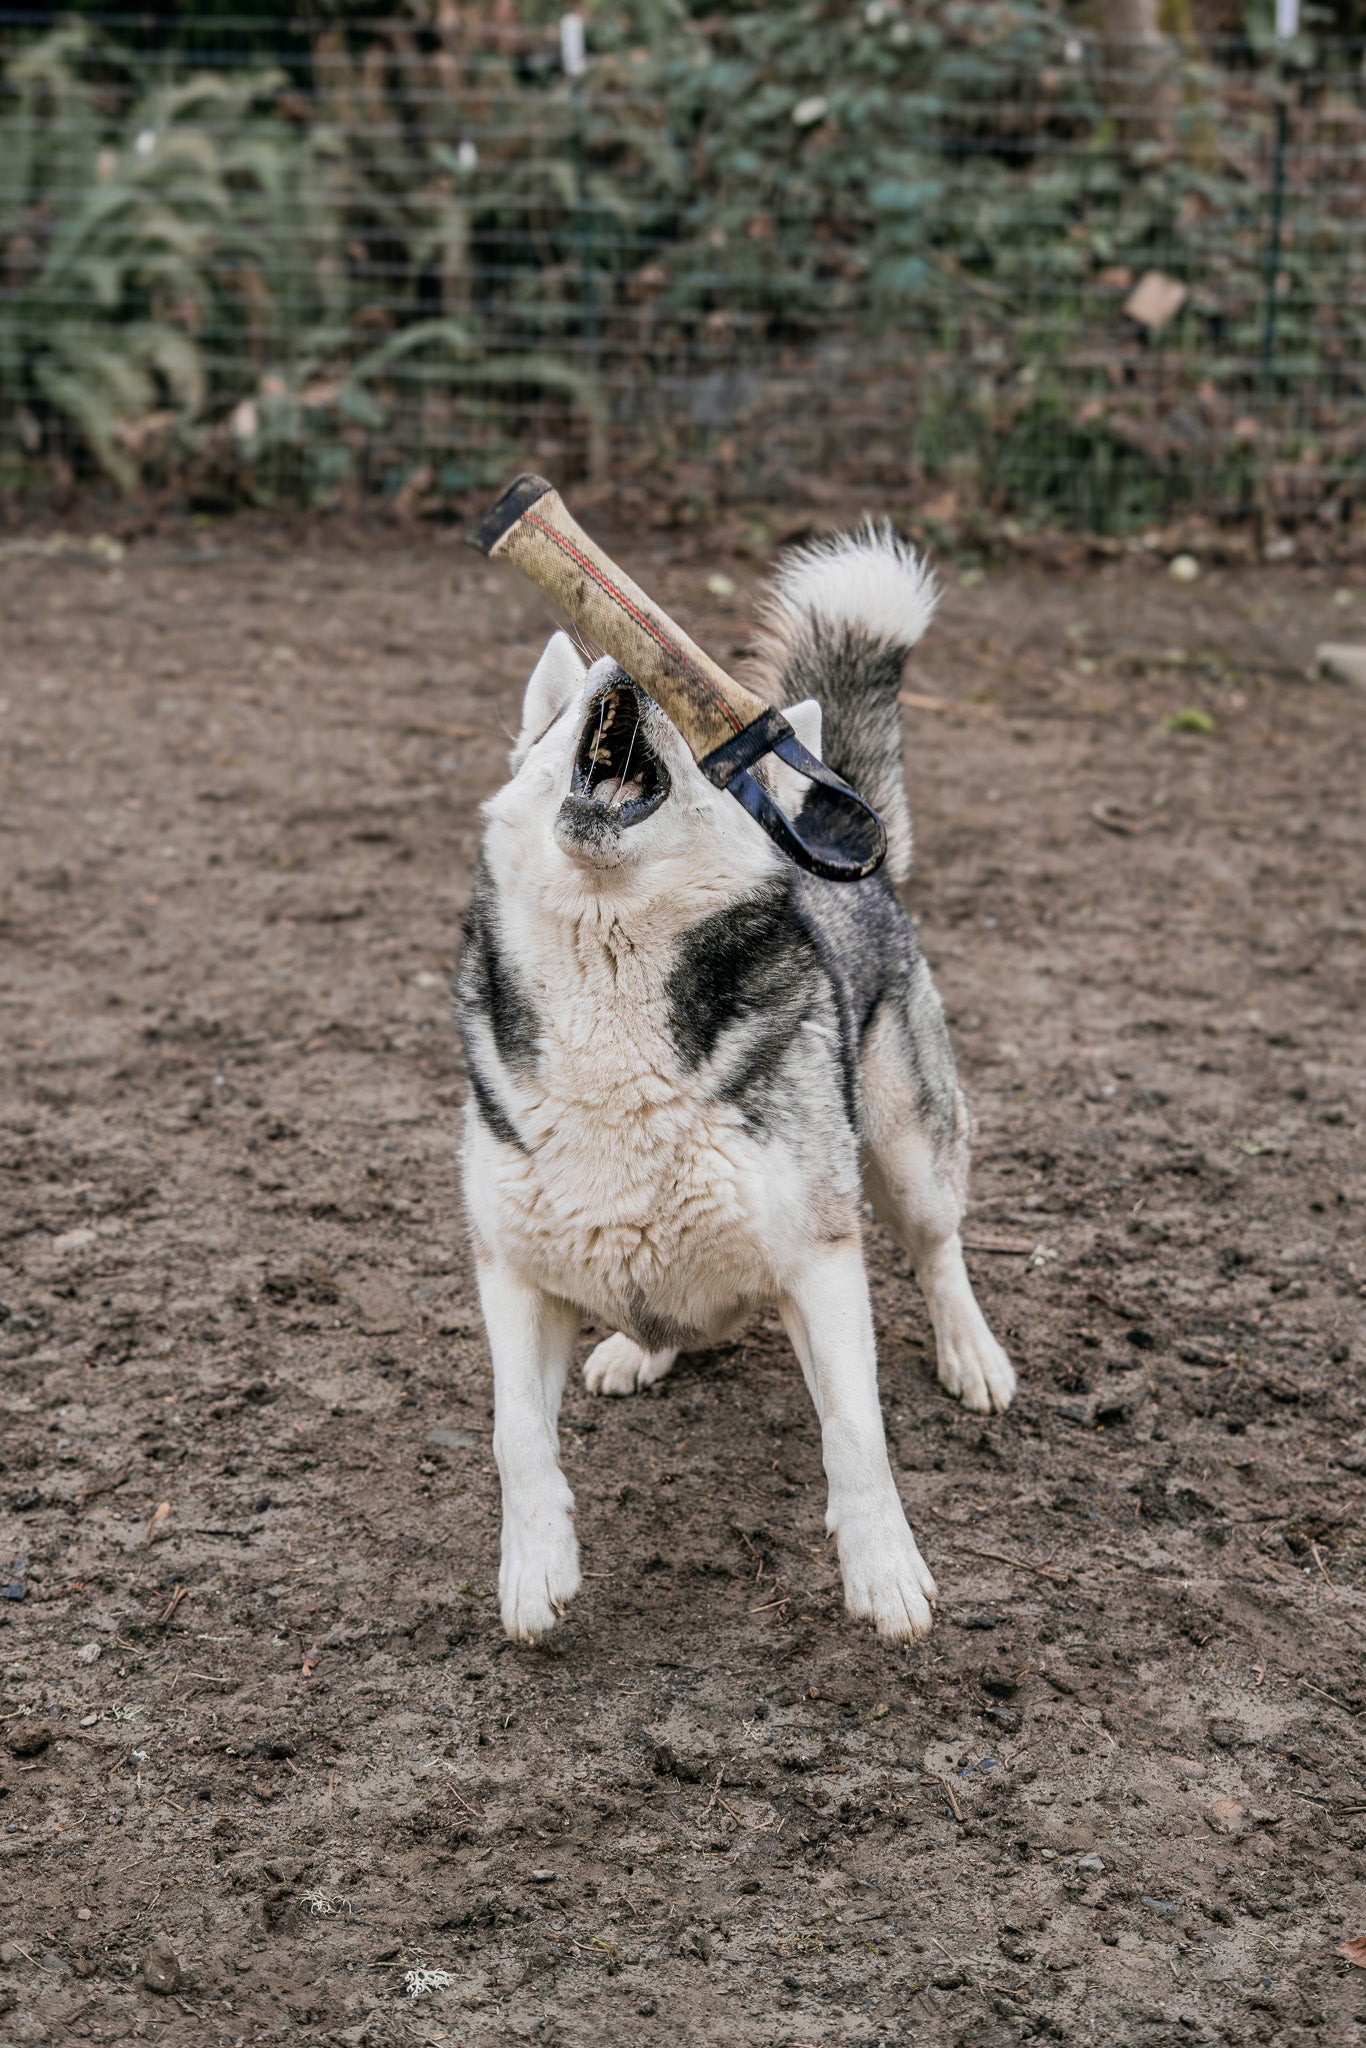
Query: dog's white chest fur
x=638, y=1192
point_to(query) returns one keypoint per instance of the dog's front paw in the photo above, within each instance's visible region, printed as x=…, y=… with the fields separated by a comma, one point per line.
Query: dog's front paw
x=538, y=1577
x=886, y=1580
x=621, y=1366
x=974, y=1368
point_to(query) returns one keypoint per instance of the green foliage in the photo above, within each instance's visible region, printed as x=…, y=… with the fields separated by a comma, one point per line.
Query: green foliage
x=115, y=248
x=392, y=263
x=950, y=176
x=196, y=286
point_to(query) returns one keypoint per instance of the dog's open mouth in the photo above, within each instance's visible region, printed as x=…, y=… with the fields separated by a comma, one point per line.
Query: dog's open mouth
x=614, y=766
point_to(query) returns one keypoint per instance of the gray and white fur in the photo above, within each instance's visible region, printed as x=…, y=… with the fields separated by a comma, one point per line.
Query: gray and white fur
x=691, y=1063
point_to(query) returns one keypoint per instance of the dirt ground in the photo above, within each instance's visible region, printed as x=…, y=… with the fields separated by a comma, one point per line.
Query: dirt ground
x=256, y=1699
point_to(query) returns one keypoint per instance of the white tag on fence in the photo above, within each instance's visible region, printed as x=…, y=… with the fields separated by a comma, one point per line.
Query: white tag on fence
x=574, y=57
x=1287, y=20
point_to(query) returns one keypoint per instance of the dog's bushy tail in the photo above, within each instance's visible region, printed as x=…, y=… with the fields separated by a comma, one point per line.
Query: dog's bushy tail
x=841, y=618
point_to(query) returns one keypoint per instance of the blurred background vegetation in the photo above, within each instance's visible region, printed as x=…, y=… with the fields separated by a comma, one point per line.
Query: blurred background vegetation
x=1005, y=257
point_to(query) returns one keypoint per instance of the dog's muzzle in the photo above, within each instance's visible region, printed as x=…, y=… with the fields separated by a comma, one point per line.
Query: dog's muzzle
x=618, y=779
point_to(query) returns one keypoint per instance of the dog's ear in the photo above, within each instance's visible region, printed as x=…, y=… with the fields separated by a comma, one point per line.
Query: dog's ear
x=555, y=681
x=788, y=787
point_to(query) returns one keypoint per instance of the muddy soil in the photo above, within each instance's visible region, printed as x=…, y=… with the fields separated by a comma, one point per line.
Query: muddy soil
x=265, y=1756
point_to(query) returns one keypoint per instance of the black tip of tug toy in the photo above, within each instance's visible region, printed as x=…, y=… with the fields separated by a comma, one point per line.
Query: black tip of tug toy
x=519, y=497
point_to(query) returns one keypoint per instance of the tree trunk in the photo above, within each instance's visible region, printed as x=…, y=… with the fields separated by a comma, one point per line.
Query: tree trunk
x=1138, y=76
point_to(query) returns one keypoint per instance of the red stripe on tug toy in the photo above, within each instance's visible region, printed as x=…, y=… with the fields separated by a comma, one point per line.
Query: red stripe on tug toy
x=728, y=728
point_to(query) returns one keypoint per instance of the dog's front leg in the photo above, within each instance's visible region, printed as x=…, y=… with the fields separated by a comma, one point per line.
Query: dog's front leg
x=531, y=1335
x=829, y=1318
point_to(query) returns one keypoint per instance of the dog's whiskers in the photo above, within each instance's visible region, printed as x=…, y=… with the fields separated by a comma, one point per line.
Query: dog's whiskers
x=597, y=737
x=626, y=771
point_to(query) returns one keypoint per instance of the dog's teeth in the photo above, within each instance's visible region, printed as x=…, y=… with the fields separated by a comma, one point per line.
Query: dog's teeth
x=605, y=790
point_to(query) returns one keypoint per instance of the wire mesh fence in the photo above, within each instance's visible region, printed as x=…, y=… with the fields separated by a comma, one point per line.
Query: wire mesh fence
x=967, y=255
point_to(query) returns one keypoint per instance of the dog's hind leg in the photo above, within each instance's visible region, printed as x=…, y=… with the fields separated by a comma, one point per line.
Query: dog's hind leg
x=531, y=1336
x=916, y=1172
x=829, y=1318
x=621, y=1366
x=971, y=1364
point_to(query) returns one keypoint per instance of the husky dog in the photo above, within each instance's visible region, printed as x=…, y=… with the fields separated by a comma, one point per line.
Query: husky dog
x=691, y=1063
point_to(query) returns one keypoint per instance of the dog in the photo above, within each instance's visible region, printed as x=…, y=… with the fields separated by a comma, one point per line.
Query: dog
x=691, y=1065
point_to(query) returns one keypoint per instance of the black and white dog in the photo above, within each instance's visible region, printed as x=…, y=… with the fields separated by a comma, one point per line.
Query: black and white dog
x=690, y=1064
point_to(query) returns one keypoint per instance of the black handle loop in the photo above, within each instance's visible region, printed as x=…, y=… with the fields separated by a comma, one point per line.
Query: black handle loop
x=842, y=838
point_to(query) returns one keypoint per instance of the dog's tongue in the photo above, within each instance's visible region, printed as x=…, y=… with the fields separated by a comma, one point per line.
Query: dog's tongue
x=614, y=792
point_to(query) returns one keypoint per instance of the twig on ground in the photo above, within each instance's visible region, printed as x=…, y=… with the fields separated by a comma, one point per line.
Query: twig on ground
x=915, y=700
x=1340, y=1704
x=1123, y=1310
x=715, y=1792
x=180, y=1593
x=105, y=1486
x=462, y=1802
x=1021, y=1564
x=80, y=1735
